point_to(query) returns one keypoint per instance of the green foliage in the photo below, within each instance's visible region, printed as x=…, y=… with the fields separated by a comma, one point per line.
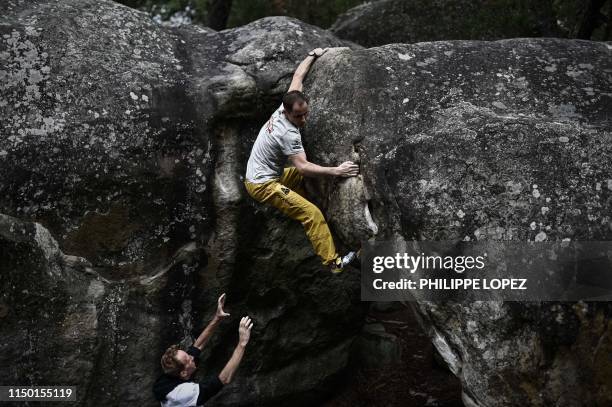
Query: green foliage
x=317, y=12
x=562, y=17
x=569, y=13
x=166, y=8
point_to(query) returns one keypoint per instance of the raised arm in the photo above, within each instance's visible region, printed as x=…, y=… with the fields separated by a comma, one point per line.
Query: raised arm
x=303, y=68
x=308, y=169
x=210, y=328
x=244, y=332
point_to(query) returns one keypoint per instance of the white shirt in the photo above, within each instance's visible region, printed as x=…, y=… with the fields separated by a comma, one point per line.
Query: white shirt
x=277, y=139
x=183, y=395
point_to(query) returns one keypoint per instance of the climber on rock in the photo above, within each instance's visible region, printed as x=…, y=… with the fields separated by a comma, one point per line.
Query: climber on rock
x=267, y=180
x=175, y=388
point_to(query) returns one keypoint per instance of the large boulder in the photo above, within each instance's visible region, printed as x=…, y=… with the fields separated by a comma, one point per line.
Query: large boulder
x=123, y=145
x=505, y=140
x=121, y=159
x=407, y=21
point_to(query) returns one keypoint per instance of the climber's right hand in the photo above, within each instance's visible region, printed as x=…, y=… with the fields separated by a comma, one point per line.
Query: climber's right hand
x=347, y=169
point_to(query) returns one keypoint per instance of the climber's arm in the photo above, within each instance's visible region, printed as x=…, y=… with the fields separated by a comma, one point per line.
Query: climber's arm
x=244, y=333
x=303, y=68
x=308, y=169
x=210, y=328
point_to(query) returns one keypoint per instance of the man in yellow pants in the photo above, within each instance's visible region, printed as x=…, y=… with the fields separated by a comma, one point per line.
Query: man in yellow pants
x=267, y=180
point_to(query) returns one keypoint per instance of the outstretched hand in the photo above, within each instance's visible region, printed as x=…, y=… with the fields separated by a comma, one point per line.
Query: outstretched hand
x=347, y=169
x=220, y=304
x=244, y=330
x=319, y=51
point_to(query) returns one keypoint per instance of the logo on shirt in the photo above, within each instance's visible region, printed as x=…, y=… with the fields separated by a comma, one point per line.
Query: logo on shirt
x=270, y=125
x=285, y=190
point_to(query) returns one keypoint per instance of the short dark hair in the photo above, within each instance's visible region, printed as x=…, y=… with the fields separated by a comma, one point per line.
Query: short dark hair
x=290, y=98
x=170, y=364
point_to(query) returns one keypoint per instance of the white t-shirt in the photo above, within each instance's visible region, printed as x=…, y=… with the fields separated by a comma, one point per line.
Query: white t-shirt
x=183, y=395
x=277, y=139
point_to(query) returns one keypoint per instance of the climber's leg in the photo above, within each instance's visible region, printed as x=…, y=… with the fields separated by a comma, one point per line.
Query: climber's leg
x=292, y=179
x=297, y=207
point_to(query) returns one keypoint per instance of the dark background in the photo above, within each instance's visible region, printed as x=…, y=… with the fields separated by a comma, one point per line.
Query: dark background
x=584, y=19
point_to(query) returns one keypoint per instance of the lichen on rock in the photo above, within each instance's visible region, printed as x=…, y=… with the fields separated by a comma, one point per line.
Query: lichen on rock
x=122, y=154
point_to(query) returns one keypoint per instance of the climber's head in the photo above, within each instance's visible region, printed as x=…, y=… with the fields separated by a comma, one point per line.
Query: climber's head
x=176, y=362
x=295, y=104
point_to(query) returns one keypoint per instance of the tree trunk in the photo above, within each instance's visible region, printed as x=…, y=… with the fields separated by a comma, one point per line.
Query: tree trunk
x=544, y=12
x=590, y=19
x=218, y=13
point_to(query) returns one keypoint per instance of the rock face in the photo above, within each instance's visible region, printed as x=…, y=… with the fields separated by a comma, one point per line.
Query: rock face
x=506, y=140
x=122, y=150
x=123, y=145
x=407, y=21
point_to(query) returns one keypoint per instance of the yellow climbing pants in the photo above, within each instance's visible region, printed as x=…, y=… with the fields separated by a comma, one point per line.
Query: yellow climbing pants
x=287, y=194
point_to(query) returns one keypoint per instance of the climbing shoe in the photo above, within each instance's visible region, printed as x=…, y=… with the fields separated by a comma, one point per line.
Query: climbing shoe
x=349, y=258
